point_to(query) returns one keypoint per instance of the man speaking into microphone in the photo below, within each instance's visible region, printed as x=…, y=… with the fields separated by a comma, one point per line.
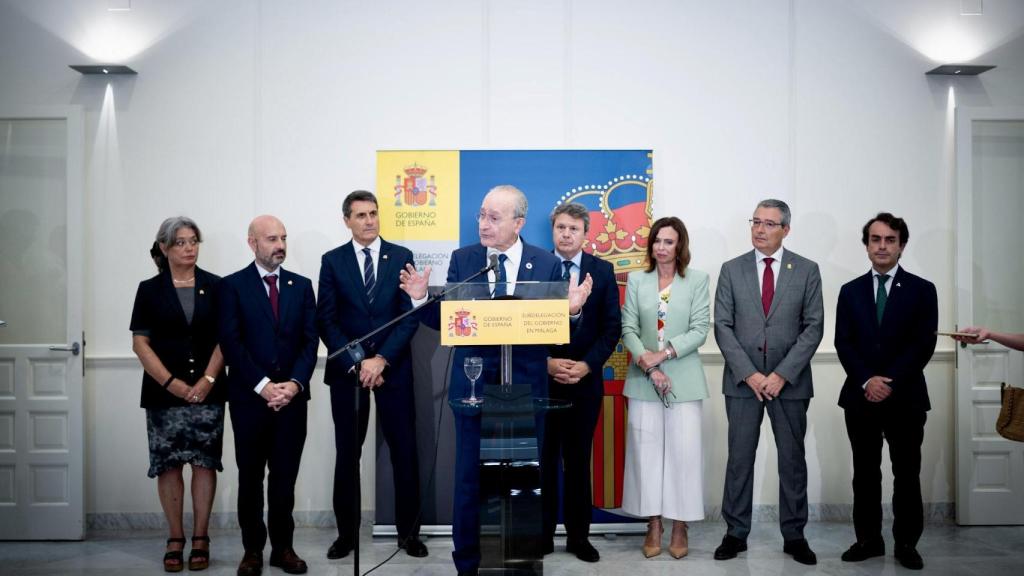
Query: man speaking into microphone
x=501, y=217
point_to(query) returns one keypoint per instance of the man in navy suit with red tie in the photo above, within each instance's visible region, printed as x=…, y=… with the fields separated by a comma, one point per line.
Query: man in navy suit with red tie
x=358, y=293
x=269, y=339
x=885, y=336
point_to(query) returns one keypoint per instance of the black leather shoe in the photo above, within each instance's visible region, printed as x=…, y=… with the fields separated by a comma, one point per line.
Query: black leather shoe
x=861, y=551
x=729, y=548
x=547, y=547
x=582, y=549
x=251, y=564
x=288, y=561
x=800, y=552
x=414, y=547
x=909, y=558
x=339, y=549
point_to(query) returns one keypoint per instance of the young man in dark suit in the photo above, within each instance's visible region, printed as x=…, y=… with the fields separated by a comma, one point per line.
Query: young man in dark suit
x=574, y=374
x=885, y=336
x=359, y=293
x=502, y=215
x=268, y=336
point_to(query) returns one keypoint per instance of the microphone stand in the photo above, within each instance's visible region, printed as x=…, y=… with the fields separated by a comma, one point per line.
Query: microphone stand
x=357, y=354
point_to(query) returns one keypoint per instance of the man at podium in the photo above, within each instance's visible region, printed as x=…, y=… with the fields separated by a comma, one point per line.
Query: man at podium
x=501, y=217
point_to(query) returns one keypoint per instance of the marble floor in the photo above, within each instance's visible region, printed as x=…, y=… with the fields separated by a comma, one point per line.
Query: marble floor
x=946, y=548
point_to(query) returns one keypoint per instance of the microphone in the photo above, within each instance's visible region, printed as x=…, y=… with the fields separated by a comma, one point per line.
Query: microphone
x=492, y=263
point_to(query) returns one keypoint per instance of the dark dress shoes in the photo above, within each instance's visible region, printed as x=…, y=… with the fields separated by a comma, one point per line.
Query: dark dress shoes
x=800, y=552
x=414, y=547
x=861, y=551
x=729, y=548
x=251, y=564
x=909, y=558
x=288, y=561
x=339, y=549
x=582, y=549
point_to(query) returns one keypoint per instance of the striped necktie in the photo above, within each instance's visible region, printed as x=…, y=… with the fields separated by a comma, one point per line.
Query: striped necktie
x=369, y=281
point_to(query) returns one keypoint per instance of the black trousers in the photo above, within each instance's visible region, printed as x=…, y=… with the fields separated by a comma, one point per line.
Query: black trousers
x=568, y=439
x=903, y=430
x=397, y=416
x=270, y=441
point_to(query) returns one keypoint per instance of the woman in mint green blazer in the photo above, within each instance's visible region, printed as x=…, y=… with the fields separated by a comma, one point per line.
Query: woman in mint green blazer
x=664, y=321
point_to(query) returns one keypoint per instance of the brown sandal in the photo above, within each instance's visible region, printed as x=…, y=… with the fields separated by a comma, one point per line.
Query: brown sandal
x=174, y=560
x=199, y=558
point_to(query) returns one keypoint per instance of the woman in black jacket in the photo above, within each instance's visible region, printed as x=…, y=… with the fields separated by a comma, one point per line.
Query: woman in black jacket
x=174, y=334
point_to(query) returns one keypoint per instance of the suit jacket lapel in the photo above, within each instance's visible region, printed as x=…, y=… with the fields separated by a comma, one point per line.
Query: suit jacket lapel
x=894, y=299
x=384, y=264
x=202, y=296
x=350, y=269
x=748, y=270
x=170, y=296
x=260, y=291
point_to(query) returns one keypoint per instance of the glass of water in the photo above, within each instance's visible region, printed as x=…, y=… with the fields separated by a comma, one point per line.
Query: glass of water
x=474, y=366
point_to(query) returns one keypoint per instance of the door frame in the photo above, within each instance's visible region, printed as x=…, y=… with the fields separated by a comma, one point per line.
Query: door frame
x=74, y=119
x=963, y=283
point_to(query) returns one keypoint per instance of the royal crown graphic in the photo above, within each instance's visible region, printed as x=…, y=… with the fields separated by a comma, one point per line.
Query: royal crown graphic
x=415, y=189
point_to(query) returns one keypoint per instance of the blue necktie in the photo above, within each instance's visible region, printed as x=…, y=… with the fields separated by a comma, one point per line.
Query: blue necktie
x=568, y=270
x=499, y=277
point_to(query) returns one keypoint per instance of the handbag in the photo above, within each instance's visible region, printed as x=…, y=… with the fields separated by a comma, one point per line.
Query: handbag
x=1010, y=424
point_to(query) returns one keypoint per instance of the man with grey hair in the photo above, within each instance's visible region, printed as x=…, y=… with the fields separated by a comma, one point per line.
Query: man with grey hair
x=574, y=374
x=502, y=216
x=769, y=320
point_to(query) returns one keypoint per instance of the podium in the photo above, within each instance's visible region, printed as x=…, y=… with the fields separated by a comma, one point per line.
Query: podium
x=510, y=334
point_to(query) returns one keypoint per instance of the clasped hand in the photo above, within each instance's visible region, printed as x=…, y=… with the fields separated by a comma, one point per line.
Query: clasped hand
x=279, y=394
x=766, y=387
x=565, y=371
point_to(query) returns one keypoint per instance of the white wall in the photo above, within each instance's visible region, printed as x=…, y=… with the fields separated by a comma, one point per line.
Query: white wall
x=246, y=107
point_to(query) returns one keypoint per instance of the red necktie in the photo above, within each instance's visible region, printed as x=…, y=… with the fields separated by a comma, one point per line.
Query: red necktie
x=271, y=280
x=767, y=285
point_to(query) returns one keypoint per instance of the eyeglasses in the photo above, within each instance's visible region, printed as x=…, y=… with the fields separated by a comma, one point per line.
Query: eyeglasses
x=181, y=242
x=492, y=219
x=768, y=224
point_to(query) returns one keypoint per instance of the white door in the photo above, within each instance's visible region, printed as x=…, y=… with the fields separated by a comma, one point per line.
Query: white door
x=989, y=279
x=41, y=341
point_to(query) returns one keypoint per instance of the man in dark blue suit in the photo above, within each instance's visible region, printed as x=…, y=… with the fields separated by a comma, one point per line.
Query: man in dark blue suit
x=574, y=374
x=885, y=336
x=268, y=336
x=359, y=293
x=502, y=215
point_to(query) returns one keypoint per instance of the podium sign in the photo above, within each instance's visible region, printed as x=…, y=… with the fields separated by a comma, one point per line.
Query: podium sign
x=497, y=322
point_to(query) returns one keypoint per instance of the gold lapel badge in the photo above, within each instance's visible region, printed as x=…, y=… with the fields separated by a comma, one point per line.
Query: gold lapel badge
x=789, y=266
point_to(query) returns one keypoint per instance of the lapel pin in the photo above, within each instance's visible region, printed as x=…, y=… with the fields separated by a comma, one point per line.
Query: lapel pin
x=384, y=256
x=529, y=265
x=201, y=292
x=897, y=284
x=789, y=266
x=289, y=282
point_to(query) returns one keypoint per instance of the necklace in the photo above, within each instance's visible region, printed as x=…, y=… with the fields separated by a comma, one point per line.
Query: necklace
x=185, y=281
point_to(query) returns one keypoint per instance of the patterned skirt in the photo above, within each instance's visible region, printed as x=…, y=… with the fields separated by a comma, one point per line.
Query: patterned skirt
x=185, y=435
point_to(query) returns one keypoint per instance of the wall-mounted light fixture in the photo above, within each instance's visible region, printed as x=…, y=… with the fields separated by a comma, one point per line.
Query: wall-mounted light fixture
x=102, y=69
x=959, y=70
